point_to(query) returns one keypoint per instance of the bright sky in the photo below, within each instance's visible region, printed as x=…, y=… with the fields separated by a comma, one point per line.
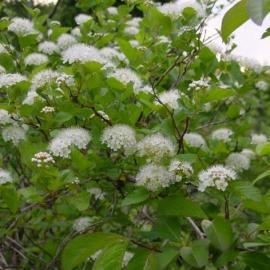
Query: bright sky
x=247, y=37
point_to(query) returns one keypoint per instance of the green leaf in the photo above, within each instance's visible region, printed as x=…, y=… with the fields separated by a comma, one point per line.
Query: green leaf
x=111, y=257
x=247, y=190
x=11, y=198
x=197, y=254
x=257, y=10
x=83, y=246
x=81, y=200
x=63, y=117
x=219, y=233
x=261, y=176
x=263, y=149
x=256, y=260
x=144, y=260
x=235, y=17
x=137, y=196
x=165, y=258
x=216, y=94
x=180, y=206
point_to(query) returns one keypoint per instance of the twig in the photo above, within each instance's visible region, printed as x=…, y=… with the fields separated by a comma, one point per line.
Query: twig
x=198, y=231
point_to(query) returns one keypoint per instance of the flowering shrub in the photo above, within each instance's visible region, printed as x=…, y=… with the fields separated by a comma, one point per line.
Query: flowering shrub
x=130, y=142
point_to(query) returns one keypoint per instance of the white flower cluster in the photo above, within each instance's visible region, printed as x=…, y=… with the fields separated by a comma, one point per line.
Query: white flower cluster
x=262, y=85
x=198, y=85
x=169, y=98
x=66, y=79
x=112, y=11
x=174, y=10
x=48, y=47
x=36, y=59
x=258, y=138
x=5, y=177
x=216, y=176
x=153, y=177
x=22, y=27
x=248, y=153
x=156, y=146
x=180, y=169
x=10, y=79
x=76, y=32
x=14, y=134
x=112, y=54
x=82, y=18
x=119, y=137
x=195, y=140
x=126, y=76
x=46, y=76
x=238, y=162
x=222, y=134
x=47, y=109
x=82, y=53
x=132, y=27
x=60, y=146
x=82, y=223
x=43, y=159
x=5, y=117
x=65, y=41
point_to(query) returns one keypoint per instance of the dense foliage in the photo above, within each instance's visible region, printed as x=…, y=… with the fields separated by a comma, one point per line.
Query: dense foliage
x=130, y=142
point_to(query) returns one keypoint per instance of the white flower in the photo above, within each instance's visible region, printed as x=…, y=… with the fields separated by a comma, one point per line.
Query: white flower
x=44, y=2
x=43, y=159
x=65, y=41
x=175, y=9
x=10, y=79
x=30, y=98
x=145, y=89
x=48, y=47
x=36, y=59
x=82, y=53
x=169, y=98
x=222, y=134
x=258, y=138
x=119, y=137
x=14, y=134
x=2, y=69
x=112, y=54
x=153, y=177
x=238, y=162
x=216, y=176
x=5, y=117
x=82, y=18
x=248, y=153
x=112, y=10
x=198, y=85
x=76, y=32
x=156, y=146
x=5, y=176
x=262, y=85
x=131, y=30
x=66, y=79
x=134, y=43
x=180, y=169
x=46, y=76
x=47, y=109
x=22, y=27
x=194, y=140
x=135, y=21
x=60, y=146
x=126, y=76
x=5, y=48
x=97, y=192
x=82, y=223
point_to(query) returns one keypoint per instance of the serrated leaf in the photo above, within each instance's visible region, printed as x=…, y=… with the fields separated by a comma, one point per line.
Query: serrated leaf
x=247, y=190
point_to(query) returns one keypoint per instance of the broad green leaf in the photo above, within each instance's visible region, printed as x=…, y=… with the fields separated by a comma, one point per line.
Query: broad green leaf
x=11, y=198
x=261, y=176
x=197, y=254
x=63, y=117
x=226, y=257
x=219, y=233
x=247, y=190
x=137, y=196
x=263, y=149
x=180, y=206
x=111, y=257
x=144, y=260
x=256, y=260
x=83, y=246
x=217, y=94
x=257, y=10
x=235, y=17
x=166, y=257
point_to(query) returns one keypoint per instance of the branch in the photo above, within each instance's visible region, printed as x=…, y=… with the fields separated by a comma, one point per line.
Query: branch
x=198, y=231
